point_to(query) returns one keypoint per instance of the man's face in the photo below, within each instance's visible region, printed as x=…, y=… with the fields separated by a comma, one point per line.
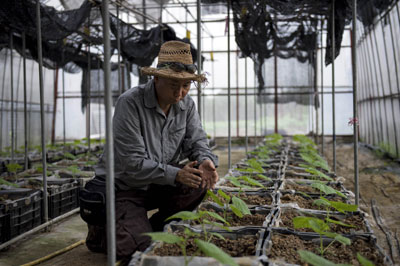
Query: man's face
x=171, y=91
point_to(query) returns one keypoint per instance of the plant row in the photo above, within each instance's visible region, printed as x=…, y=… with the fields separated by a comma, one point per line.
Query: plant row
x=279, y=206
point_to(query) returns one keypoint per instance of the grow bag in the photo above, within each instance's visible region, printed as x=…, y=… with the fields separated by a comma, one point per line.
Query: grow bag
x=360, y=243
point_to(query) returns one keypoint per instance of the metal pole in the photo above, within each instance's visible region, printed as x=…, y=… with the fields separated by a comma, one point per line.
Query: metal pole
x=16, y=101
x=25, y=103
x=322, y=92
x=144, y=12
x=390, y=85
x=12, y=95
x=245, y=103
x=229, y=87
x=316, y=90
x=89, y=76
x=355, y=110
x=119, y=53
x=364, y=124
x=237, y=94
x=255, y=111
x=199, y=56
x=63, y=92
x=111, y=252
x=99, y=94
x=261, y=114
x=2, y=97
x=55, y=84
x=276, y=90
x=333, y=88
x=42, y=122
x=213, y=87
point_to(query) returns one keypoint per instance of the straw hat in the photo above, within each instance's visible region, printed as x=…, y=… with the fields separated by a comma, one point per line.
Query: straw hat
x=174, y=61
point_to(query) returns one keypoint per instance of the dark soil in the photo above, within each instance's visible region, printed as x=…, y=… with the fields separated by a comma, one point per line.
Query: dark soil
x=266, y=186
x=306, y=188
x=248, y=220
x=244, y=246
x=305, y=203
x=250, y=198
x=355, y=220
x=286, y=247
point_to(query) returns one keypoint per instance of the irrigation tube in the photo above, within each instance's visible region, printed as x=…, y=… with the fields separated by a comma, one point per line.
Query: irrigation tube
x=199, y=56
x=111, y=252
x=333, y=88
x=42, y=135
x=229, y=86
x=355, y=111
x=25, y=111
x=12, y=95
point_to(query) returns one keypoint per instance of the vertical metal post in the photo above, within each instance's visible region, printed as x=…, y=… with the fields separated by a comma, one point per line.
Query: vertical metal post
x=2, y=101
x=213, y=87
x=261, y=114
x=16, y=108
x=364, y=123
x=355, y=110
x=276, y=90
x=255, y=111
x=390, y=86
x=322, y=91
x=316, y=91
x=63, y=107
x=229, y=85
x=119, y=53
x=12, y=95
x=199, y=56
x=333, y=88
x=99, y=96
x=89, y=85
x=237, y=94
x=25, y=103
x=111, y=249
x=144, y=12
x=245, y=103
x=55, y=86
x=42, y=122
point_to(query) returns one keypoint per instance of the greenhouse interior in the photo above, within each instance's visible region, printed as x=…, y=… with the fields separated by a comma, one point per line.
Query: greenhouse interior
x=207, y=132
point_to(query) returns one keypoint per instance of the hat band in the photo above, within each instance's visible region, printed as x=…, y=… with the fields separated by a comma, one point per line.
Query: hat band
x=178, y=67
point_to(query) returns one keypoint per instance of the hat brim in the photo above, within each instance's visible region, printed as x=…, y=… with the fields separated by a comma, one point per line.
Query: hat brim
x=171, y=74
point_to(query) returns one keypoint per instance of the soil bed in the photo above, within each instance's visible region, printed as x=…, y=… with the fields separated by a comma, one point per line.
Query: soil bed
x=250, y=199
x=306, y=188
x=355, y=220
x=247, y=220
x=286, y=247
x=244, y=246
x=266, y=186
x=305, y=203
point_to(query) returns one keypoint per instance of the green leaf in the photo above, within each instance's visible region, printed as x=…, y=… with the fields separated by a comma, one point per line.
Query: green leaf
x=343, y=207
x=236, y=211
x=342, y=239
x=215, y=252
x=224, y=195
x=338, y=222
x=216, y=216
x=241, y=205
x=304, y=194
x=5, y=182
x=309, y=222
x=184, y=215
x=318, y=173
x=217, y=225
x=364, y=261
x=322, y=202
x=214, y=198
x=252, y=181
x=217, y=235
x=264, y=177
x=326, y=189
x=255, y=165
x=165, y=237
x=314, y=259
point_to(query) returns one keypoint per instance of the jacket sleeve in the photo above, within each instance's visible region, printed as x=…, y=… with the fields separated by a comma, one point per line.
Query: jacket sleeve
x=195, y=144
x=130, y=152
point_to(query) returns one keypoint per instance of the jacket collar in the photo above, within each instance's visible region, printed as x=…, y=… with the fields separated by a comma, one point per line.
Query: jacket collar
x=150, y=99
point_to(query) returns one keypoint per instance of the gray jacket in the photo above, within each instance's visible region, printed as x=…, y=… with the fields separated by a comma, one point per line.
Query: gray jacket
x=147, y=143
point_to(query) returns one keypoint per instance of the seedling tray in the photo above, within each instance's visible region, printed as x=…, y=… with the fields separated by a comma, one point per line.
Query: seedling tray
x=304, y=186
x=291, y=247
x=306, y=201
x=270, y=195
x=359, y=217
x=148, y=258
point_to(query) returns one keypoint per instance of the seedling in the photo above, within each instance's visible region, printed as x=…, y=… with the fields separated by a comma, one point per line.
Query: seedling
x=70, y=156
x=5, y=182
x=249, y=182
x=238, y=206
x=207, y=248
x=13, y=168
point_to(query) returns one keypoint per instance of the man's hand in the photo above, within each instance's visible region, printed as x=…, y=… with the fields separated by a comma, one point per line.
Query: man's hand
x=187, y=175
x=209, y=175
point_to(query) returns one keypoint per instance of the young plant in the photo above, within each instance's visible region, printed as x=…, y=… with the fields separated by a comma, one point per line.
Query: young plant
x=238, y=206
x=248, y=182
x=13, y=168
x=321, y=228
x=337, y=205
